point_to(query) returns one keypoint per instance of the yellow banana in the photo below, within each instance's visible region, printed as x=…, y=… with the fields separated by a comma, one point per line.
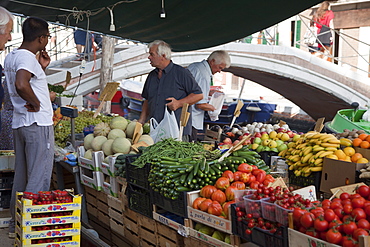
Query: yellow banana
x=307, y=150
x=282, y=153
x=315, y=136
x=317, y=149
x=306, y=158
x=312, y=159
x=306, y=174
x=291, y=167
x=309, y=135
x=331, y=149
x=326, y=153
x=319, y=153
x=326, y=136
x=292, y=145
x=318, y=161
x=345, y=142
x=335, y=141
x=297, y=173
x=295, y=158
x=316, y=169
x=329, y=145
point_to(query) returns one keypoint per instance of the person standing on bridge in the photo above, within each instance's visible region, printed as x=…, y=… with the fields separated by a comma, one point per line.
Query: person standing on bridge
x=324, y=23
x=169, y=84
x=203, y=72
x=32, y=124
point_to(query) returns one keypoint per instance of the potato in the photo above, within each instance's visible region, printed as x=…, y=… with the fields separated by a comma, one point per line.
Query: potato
x=344, y=134
x=360, y=131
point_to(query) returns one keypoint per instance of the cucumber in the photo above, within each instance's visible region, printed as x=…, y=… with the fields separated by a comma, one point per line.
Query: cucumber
x=196, y=167
x=189, y=178
x=182, y=188
x=202, y=165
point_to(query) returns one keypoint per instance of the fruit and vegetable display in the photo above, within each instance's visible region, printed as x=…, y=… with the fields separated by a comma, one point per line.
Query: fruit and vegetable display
x=182, y=166
x=349, y=134
x=113, y=138
x=213, y=232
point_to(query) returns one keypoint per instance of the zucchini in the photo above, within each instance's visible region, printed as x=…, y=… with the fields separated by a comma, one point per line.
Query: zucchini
x=202, y=165
x=182, y=178
x=189, y=178
x=196, y=167
x=182, y=188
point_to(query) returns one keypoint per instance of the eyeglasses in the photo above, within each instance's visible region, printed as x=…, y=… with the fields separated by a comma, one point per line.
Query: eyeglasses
x=46, y=35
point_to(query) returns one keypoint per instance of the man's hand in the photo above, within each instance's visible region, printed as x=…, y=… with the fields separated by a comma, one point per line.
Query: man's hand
x=32, y=108
x=174, y=104
x=44, y=59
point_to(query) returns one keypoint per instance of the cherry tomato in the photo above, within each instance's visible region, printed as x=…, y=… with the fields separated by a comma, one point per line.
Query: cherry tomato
x=248, y=231
x=336, y=224
x=358, y=214
x=336, y=204
x=359, y=232
x=349, y=227
x=320, y=224
x=333, y=236
x=347, y=241
x=339, y=212
x=297, y=213
x=307, y=220
x=347, y=208
x=363, y=190
x=358, y=202
x=344, y=196
x=364, y=224
x=329, y=215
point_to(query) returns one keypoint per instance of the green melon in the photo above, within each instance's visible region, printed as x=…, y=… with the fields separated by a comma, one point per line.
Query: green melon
x=147, y=139
x=101, y=129
x=114, y=133
x=98, y=142
x=118, y=123
x=88, y=154
x=121, y=145
x=107, y=147
x=131, y=128
x=88, y=140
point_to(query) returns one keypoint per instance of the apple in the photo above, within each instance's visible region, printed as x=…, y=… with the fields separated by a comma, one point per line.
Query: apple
x=279, y=142
x=274, y=150
x=227, y=140
x=282, y=147
x=290, y=133
x=272, y=144
x=273, y=134
x=285, y=137
x=281, y=130
x=257, y=134
x=296, y=137
x=259, y=148
x=255, y=146
x=266, y=142
x=265, y=136
x=236, y=142
x=257, y=140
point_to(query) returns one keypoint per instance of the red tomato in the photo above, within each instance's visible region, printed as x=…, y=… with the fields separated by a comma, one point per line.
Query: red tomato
x=346, y=201
x=358, y=214
x=252, y=178
x=347, y=241
x=317, y=212
x=363, y=223
x=347, y=208
x=320, y=224
x=336, y=204
x=333, y=236
x=244, y=167
x=349, y=227
x=312, y=233
x=359, y=232
x=339, y=212
x=254, y=185
x=337, y=224
x=358, y=202
x=363, y=190
x=344, y=196
x=354, y=196
x=329, y=215
x=307, y=220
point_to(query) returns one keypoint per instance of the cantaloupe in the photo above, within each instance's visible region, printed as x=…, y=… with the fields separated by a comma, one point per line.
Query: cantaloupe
x=107, y=147
x=131, y=128
x=147, y=139
x=101, y=129
x=118, y=123
x=88, y=154
x=106, y=160
x=121, y=145
x=87, y=141
x=98, y=142
x=114, y=133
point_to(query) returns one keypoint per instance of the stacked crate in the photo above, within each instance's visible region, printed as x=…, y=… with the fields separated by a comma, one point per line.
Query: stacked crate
x=109, y=185
x=6, y=184
x=90, y=174
x=41, y=225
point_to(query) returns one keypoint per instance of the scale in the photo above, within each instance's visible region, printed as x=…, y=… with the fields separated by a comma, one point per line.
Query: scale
x=72, y=113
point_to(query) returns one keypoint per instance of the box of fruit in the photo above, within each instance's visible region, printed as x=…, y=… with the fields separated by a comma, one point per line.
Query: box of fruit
x=89, y=161
x=219, y=223
x=214, y=237
x=69, y=241
x=37, y=232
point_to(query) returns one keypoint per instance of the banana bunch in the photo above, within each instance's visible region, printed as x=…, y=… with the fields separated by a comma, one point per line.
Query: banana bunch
x=307, y=153
x=345, y=142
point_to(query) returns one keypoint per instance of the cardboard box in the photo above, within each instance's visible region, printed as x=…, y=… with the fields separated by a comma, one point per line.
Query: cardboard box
x=4, y=222
x=364, y=151
x=182, y=230
x=109, y=169
x=298, y=239
x=338, y=173
x=93, y=179
x=94, y=163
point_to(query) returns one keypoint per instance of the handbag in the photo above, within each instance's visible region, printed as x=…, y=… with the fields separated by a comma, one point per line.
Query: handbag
x=167, y=128
x=324, y=35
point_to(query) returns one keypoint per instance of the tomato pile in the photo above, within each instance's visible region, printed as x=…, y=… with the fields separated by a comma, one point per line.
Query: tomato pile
x=340, y=221
x=51, y=214
x=50, y=240
x=48, y=197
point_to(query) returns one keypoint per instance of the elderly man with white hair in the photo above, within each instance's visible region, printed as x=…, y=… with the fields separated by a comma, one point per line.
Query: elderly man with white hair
x=6, y=27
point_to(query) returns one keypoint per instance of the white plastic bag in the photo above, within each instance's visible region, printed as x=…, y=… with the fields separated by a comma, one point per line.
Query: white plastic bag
x=217, y=100
x=167, y=128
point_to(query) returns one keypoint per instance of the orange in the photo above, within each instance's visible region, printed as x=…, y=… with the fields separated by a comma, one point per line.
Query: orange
x=340, y=154
x=356, y=142
x=363, y=136
x=349, y=151
x=348, y=159
x=368, y=138
x=362, y=160
x=365, y=144
x=355, y=157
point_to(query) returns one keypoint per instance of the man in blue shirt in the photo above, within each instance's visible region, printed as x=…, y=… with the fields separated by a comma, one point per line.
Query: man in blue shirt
x=169, y=84
x=6, y=27
x=203, y=72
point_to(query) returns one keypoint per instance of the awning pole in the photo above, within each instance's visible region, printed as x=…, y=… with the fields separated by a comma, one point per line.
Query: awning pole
x=240, y=95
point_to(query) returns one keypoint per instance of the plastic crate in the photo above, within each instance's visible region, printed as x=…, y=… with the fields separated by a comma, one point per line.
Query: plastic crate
x=5, y=198
x=137, y=176
x=281, y=214
x=266, y=156
x=178, y=206
x=239, y=227
x=240, y=193
x=6, y=180
x=268, y=210
x=139, y=200
x=253, y=206
x=267, y=239
x=313, y=179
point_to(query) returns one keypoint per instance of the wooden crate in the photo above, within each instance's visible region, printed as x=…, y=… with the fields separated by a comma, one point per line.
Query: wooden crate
x=115, y=209
x=117, y=227
x=122, y=185
x=210, y=135
x=158, y=215
x=132, y=237
x=118, y=240
x=168, y=237
x=102, y=229
x=69, y=180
